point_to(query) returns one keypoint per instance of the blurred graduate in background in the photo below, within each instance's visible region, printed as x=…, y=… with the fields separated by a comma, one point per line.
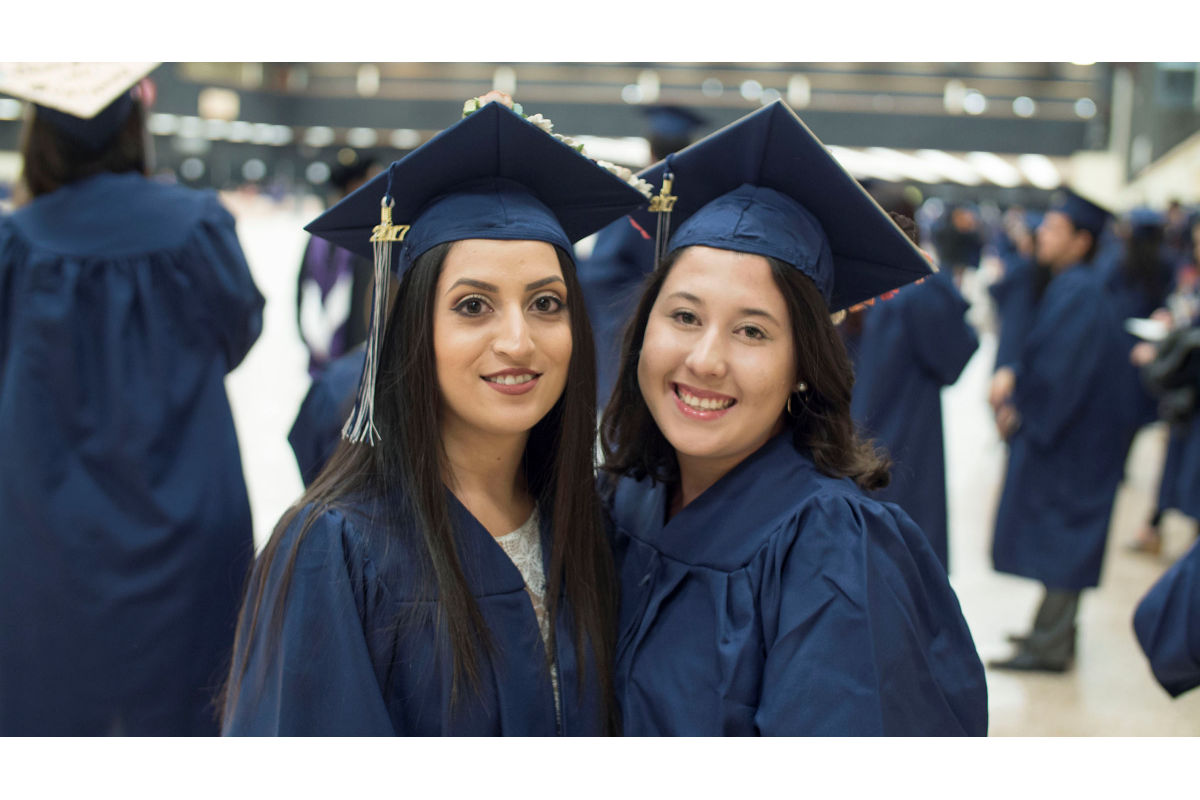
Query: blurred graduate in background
x=1063, y=402
x=125, y=530
x=905, y=349
x=623, y=254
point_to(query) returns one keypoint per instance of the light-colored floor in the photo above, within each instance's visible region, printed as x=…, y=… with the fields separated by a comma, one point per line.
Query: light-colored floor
x=1109, y=693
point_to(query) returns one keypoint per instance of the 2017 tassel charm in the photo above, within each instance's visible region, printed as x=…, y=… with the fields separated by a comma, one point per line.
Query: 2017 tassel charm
x=662, y=204
x=360, y=427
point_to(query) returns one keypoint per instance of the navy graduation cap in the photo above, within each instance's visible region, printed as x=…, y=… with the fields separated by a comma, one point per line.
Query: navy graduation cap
x=672, y=121
x=1085, y=214
x=493, y=175
x=766, y=185
x=86, y=101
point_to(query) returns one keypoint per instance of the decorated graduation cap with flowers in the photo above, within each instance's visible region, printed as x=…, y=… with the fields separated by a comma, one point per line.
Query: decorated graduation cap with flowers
x=766, y=185
x=495, y=174
x=86, y=101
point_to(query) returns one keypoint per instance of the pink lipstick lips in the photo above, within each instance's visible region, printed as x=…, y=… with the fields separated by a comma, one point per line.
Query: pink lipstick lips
x=512, y=381
x=699, y=404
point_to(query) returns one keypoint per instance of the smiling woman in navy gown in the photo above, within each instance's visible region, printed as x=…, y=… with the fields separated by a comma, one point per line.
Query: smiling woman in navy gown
x=762, y=591
x=447, y=572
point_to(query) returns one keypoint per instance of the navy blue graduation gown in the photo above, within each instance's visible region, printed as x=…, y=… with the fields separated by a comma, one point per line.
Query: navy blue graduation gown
x=611, y=278
x=317, y=428
x=1167, y=624
x=1015, y=305
x=126, y=533
x=1131, y=300
x=1067, y=458
x=785, y=602
x=910, y=347
x=350, y=661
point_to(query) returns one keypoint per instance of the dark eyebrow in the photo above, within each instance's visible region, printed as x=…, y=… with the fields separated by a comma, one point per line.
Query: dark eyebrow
x=758, y=312
x=529, y=287
x=745, y=312
x=691, y=298
x=490, y=287
x=487, y=287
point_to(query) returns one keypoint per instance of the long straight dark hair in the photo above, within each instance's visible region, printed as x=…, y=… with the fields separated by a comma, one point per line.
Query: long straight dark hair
x=820, y=423
x=558, y=468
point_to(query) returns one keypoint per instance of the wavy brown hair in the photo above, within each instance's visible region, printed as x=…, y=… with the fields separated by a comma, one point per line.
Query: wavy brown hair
x=821, y=423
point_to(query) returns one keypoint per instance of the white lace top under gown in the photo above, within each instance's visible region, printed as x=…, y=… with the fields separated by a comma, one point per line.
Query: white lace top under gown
x=524, y=547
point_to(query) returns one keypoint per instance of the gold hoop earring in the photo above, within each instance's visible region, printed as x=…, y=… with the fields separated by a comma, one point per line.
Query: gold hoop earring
x=788, y=405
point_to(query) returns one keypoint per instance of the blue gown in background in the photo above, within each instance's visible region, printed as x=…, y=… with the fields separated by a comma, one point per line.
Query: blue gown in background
x=1068, y=455
x=1132, y=300
x=317, y=428
x=910, y=347
x=355, y=658
x=1015, y=306
x=126, y=534
x=785, y=602
x=611, y=278
x=1167, y=624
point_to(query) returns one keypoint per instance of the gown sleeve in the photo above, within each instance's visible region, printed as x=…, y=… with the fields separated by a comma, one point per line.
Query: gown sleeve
x=226, y=292
x=942, y=339
x=315, y=677
x=1013, y=296
x=1063, y=353
x=864, y=635
x=1167, y=624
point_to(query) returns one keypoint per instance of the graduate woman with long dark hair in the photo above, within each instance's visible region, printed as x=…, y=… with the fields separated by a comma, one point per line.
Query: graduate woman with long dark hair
x=448, y=571
x=762, y=592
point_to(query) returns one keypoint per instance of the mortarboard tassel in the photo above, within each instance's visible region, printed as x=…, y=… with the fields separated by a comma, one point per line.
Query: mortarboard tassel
x=360, y=427
x=662, y=204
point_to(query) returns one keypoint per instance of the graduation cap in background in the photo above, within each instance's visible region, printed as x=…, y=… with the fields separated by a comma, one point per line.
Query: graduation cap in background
x=1145, y=218
x=674, y=122
x=1083, y=213
x=86, y=101
x=766, y=185
x=492, y=175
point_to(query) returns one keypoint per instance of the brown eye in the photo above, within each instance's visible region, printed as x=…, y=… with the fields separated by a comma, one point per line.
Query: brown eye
x=472, y=306
x=548, y=304
x=685, y=317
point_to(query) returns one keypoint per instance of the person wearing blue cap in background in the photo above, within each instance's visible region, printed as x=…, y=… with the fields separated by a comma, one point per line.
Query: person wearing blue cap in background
x=623, y=254
x=125, y=529
x=762, y=590
x=907, y=348
x=1066, y=409
x=448, y=571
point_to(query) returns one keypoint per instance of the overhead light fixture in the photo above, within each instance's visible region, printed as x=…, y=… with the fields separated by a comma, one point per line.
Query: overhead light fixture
x=911, y=167
x=799, y=91
x=995, y=169
x=366, y=82
x=504, y=79
x=1024, y=106
x=362, y=137
x=405, y=138
x=952, y=167
x=974, y=103
x=1040, y=170
x=1085, y=108
x=319, y=136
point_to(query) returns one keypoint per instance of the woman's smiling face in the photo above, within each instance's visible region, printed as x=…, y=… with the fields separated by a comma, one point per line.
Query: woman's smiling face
x=501, y=335
x=718, y=359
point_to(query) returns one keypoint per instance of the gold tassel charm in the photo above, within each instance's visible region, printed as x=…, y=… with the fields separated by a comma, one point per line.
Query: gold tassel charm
x=360, y=427
x=663, y=204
